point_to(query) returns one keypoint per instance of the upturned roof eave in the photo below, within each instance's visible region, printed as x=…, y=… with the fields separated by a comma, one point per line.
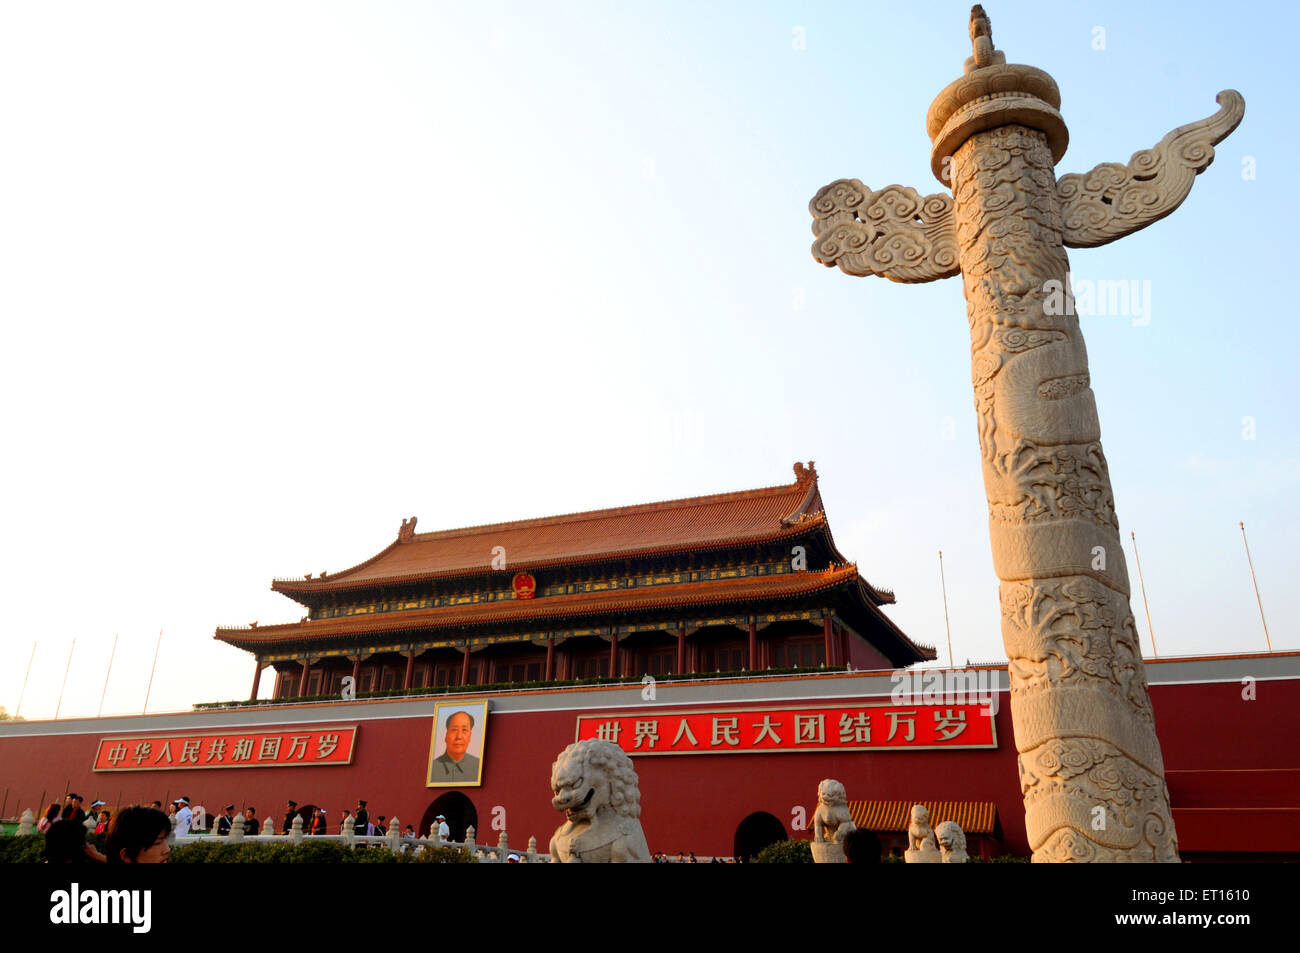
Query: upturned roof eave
x=686, y=595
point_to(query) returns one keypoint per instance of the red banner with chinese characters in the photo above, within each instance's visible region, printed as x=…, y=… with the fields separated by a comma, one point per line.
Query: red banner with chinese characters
x=822, y=728
x=262, y=748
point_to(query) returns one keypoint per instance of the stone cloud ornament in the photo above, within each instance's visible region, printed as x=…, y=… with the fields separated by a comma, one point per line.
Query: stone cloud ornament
x=595, y=786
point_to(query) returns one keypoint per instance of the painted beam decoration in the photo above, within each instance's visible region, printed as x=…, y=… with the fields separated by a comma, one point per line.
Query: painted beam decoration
x=867, y=727
x=233, y=749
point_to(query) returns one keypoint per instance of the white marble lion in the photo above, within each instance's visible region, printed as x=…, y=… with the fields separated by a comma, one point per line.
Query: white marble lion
x=952, y=842
x=831, y=821
x=595, y=786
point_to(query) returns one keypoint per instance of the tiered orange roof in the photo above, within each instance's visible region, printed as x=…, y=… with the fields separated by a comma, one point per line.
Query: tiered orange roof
x=692, y=525
x=709, y=592
x=696, y=524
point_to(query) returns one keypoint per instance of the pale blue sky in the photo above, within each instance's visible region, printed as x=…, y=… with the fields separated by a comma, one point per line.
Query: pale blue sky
x=274, y=276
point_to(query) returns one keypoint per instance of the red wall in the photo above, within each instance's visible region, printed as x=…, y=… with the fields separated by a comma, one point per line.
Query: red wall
x=1220, y=752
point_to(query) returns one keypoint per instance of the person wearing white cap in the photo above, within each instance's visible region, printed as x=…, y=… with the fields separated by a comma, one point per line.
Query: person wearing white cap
x=183, y=817
x=443, y=830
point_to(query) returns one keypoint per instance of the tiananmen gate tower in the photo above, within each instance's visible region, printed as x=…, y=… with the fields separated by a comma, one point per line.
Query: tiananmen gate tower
x=723, y=641
x=744, y=581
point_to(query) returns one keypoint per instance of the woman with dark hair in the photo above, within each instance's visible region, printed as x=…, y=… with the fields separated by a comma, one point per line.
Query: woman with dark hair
x=51, y=815
x=138, y=835
x=65, y=843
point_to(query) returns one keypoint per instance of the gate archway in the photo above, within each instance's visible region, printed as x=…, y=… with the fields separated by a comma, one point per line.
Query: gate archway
x=460, y=813
x=755, y=832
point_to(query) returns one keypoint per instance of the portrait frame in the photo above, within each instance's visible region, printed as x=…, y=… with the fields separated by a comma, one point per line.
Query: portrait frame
x=439, y=772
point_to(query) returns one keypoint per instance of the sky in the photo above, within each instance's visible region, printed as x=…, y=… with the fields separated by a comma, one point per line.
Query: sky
x=275, y=276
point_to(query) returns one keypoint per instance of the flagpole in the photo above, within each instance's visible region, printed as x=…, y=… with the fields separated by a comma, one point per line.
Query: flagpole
x=151, y=671
x=1136, y=558
x=1255, y=583
x=106, y=674
x=23, y=693
x=944, y=585
x=66, y=669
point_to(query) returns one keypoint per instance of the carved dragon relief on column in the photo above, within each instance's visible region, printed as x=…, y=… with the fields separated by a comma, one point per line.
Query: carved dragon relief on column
x=1081, y=712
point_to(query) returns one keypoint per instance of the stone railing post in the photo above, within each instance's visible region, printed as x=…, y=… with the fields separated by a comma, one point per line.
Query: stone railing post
x=295, y=832
x=237, y=827
x=348, y=835
x=394, y=834
x=531, y=857
x=469, y=839
x=26, y=824
x=503, y=848
x=434, y=834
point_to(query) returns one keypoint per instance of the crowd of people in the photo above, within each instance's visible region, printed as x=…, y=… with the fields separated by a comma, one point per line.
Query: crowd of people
x=688, y=857
x=139, y=834
x=136, y=835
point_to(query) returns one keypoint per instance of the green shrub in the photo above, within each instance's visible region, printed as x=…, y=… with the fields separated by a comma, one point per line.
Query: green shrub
x=223, y=850
x=313, y=851
x=373, y=855
x=310, y=851
x=437, y=855
x=22, y=850
x=786, y=852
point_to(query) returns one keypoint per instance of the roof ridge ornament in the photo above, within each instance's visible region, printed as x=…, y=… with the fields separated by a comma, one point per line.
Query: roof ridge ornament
x=802, y=473
x=407, y=531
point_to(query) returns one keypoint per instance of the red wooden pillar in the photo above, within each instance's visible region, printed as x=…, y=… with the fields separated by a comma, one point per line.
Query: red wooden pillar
x=356, y=673
x=753, y=646
x=464, y=667
x=613, y=653
x=410, y=670
x=302, y=681
x=681, y=649
x=257, y=678
x=550, y=661
x=828, y=641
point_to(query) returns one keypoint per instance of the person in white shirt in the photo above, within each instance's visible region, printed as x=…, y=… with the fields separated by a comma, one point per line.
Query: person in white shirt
x=443, y=830
x=183, y=817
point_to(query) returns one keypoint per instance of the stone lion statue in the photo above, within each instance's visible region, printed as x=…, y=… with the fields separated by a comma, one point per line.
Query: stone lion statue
x=952, y=842
x=831, y=822
x=595, y=786
x=921, y=848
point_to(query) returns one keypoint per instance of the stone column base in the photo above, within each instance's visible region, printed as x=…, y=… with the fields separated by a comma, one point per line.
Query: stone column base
x=827, y=852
